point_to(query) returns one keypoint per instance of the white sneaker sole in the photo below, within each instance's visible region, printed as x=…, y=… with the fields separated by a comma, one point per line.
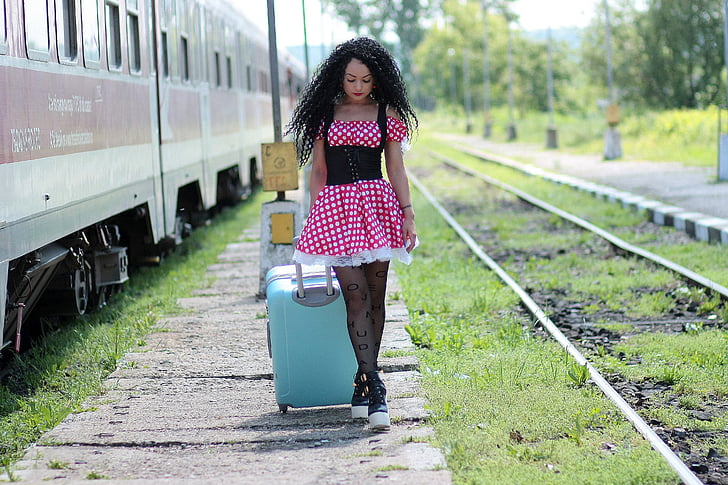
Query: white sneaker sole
x=360, y=412
x=379, y=421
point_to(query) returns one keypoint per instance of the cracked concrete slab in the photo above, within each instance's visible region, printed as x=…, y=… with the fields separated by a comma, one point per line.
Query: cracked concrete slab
x=196, y=405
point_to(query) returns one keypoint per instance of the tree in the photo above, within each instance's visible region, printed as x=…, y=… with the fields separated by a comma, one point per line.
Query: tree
x=629, y=54
x=685, y=45
x=669, y=55
x=377, y=18
x=439, y=59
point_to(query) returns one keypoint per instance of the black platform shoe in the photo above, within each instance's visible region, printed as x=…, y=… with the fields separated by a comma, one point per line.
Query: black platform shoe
x=360, y=399
x=378, y=413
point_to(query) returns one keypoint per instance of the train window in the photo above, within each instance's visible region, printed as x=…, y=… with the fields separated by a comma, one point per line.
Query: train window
x=184, y=40
x=113, y=35
x=66, y=30
x=90, y=31
x=3, y=34
x=165, y=56
x=218, y=70
x=184, y=59
x=135, y=55
x=36, y=30
x=240, y=53
x=229, y=41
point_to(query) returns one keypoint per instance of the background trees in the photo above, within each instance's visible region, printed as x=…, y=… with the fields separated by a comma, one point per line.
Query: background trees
x=666, y=53
x=398, y=23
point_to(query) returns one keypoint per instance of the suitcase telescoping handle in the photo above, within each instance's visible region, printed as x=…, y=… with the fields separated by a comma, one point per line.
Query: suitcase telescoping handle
x=299, y=281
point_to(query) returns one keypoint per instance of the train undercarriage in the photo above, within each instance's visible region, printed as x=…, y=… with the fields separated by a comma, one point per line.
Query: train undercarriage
x=79, y=273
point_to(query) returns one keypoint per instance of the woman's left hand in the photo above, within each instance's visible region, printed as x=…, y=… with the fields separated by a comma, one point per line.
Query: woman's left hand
x=409, y=232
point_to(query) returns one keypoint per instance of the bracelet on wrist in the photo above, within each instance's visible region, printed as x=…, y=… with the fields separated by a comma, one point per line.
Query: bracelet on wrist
x=406, y=206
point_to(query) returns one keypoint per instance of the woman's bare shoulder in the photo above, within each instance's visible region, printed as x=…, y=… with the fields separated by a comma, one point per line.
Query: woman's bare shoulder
x=392, y=112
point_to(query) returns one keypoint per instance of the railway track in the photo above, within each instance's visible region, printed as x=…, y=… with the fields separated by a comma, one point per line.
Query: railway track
x=578, y=331
x=698, y=225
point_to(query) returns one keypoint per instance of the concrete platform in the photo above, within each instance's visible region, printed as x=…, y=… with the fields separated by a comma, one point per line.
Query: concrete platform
x=673, y=194
x=196, y=405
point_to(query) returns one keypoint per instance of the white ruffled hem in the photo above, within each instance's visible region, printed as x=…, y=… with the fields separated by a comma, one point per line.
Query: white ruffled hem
x=381, y=254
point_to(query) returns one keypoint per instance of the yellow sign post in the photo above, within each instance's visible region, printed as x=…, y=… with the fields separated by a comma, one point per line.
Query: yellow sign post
x=612, y=115
x=281, y=228
x=280, y=167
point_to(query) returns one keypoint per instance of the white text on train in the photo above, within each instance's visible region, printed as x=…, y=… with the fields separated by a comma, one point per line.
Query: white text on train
x=74, y=104
x=25, y=139
x=59, y=139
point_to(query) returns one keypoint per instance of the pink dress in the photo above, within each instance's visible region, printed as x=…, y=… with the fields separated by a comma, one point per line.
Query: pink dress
x=360, y=222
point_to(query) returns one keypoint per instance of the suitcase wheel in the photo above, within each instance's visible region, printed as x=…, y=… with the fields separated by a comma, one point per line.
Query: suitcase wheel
x=283, y=408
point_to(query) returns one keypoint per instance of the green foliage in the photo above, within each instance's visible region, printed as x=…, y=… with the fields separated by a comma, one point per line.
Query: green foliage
x=96, y=476
x=377, y=18
x=578, y=374
x=693, y=363
x=684, y=58
x=663, y=56
x=451, y=50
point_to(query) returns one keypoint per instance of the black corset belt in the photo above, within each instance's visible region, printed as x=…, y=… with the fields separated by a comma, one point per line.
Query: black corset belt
x=347, y=164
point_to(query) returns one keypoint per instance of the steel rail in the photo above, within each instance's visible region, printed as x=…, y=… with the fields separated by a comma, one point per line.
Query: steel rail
x=606, y=235
x=685, y=474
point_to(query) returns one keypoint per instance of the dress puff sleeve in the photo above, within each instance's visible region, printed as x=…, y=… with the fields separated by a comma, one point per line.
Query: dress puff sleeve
x=320, y=132
x=396, y=129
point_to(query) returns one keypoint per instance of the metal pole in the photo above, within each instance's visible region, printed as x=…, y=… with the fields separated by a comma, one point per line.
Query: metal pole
x=275, y=83
x=725, y=39
x=551, y=130
x=511, y=123
x=550, y=77
x=612, y=139
x=451, y=54
x=486, y=68
x=323, y=51
x=307, y=169
x=466, y=82
x=305, y=38
x=723, y=139
x=608, y=40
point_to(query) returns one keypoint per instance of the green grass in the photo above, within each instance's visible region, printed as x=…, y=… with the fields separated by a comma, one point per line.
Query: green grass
x=452, y=333
x=686, y=136
x=697, y=360
x=707, y=259
x=70, y=364
x=504, y=406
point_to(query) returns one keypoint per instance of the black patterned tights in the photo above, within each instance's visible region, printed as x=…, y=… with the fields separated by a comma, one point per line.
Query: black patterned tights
x=364, y=288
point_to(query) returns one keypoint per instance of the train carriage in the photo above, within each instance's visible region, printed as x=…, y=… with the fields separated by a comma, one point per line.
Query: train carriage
x=123, y=123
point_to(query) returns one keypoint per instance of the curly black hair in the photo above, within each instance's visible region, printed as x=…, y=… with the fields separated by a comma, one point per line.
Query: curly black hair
x=317, y=100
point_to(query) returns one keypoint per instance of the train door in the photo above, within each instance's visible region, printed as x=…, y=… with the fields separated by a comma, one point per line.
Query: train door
x=148, y=36
x=179, y=82
x=207, y=38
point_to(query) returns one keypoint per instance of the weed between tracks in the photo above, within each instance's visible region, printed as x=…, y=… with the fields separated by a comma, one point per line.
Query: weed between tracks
x=509, y=407
x=53, y=379
x=503, y=405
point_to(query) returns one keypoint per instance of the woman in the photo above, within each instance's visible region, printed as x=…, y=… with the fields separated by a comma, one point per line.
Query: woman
x=354, y=109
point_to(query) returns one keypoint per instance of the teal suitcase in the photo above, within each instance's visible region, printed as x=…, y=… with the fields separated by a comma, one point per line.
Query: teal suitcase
x=308, y=342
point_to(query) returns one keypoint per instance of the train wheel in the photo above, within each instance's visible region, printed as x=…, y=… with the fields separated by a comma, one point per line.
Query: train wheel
x=68, y=293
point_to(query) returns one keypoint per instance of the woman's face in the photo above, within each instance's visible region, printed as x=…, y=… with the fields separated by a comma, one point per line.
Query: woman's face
x=358, y=81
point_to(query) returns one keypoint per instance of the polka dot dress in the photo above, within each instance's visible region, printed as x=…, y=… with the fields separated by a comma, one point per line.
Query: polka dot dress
x=356, y=223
